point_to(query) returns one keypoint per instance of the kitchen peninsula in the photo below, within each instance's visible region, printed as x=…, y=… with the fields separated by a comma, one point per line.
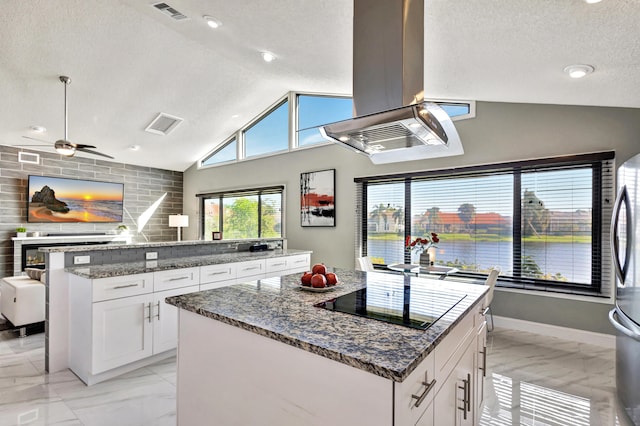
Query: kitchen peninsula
x=261, y=353
x=106, y=313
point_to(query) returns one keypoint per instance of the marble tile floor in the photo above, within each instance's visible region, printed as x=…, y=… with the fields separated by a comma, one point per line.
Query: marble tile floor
x=532, y=380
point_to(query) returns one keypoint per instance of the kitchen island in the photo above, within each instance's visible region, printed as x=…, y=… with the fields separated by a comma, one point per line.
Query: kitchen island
x=261, y=353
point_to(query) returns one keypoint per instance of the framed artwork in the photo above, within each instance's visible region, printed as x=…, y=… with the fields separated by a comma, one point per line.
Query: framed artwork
x=317, y=198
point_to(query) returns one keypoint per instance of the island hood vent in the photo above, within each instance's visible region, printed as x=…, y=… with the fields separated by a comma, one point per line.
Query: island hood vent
x=392, y=121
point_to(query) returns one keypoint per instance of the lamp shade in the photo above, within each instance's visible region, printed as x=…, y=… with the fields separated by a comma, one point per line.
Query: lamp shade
x=178, y=220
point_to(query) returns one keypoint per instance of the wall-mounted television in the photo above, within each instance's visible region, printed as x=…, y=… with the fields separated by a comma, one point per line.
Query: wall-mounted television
x=55, y=199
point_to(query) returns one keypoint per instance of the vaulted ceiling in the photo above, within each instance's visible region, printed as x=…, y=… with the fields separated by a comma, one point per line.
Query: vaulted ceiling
x=128, y=62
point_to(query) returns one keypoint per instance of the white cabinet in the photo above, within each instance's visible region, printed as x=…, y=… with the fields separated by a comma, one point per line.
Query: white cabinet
x=251, y=270
x=165, y=319
x=481, y=367
x=214, y=276
x=121, y=332
x=175, y=278
x=117, y=321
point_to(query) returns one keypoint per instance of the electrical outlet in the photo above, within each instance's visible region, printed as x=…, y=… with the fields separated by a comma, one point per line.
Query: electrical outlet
x=81, y=260
x=151, y=255
x=151, y=264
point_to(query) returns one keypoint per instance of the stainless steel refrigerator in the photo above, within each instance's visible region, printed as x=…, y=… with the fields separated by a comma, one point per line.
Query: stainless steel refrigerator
x=625, y=317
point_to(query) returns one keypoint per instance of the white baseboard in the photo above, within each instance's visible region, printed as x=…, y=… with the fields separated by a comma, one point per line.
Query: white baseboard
x=581, y=336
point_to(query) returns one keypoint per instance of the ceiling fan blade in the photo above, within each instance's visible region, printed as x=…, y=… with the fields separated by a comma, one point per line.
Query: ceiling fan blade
x=81, y=146
x=36, y=139
x=93, y=152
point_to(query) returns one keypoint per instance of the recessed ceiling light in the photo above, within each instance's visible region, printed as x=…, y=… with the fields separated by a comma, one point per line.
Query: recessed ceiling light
x=578, y=71
x=134, y=147
x=268, y=56
x=592, y=1
x=38, y=129
x=235, y=116
x=211, y=21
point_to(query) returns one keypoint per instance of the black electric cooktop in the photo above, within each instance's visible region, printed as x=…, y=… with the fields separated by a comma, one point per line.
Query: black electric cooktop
x=408, y=305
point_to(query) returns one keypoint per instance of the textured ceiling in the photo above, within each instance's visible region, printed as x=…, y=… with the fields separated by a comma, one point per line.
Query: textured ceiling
x=128, y=62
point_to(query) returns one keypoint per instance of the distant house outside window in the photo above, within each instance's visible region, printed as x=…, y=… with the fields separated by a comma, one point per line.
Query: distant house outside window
x=544, y=225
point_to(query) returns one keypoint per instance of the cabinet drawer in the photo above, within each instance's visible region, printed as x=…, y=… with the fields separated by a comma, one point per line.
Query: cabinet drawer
x=276, y=264
x=250, y=268
x=175, y=278
x=124, y=286
x=299, y=263
x=215, y=273
x=417, y=389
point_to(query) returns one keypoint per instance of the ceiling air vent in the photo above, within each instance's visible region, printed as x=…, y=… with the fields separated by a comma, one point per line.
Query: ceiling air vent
x=28, y=157
x=169, y=11
x=163, y=124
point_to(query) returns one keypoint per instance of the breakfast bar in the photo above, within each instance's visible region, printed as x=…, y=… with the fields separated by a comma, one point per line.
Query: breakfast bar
x=270, y=351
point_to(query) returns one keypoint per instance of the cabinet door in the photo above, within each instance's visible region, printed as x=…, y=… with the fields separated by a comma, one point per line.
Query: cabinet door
x=453, y=404
x=121, y=332
x=481, y=370
x=165, y=319
x=427, y=417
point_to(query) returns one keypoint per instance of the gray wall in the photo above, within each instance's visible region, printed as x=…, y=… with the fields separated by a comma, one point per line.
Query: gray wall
x=500, y=132
x=142, y=186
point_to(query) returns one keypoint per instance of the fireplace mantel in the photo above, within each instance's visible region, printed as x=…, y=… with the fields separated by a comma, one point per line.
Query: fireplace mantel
x=18, y=242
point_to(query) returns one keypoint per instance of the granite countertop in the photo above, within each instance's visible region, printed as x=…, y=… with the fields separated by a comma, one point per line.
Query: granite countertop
x=279, y=309
x=130, y=268
x=90, y=247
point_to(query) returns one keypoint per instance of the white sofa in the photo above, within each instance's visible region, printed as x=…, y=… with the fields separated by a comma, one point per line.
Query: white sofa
x=22, y=301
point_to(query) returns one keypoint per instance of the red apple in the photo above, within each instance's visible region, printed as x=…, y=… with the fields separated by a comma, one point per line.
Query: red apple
x=319, y=268
x=306, y=279
x=332, y=279
x=318, y=281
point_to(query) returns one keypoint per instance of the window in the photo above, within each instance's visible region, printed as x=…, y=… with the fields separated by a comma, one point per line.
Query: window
x=222, y=155
x=270, y=133
x=315, y=111
x=540, y=221
x=247, y=214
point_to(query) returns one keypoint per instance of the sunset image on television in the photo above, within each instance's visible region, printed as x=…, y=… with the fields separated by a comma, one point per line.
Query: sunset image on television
x=54, y=199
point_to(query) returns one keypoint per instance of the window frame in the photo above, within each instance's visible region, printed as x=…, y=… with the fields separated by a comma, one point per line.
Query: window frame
x=259, y=191
x=293, y=142
x=601, y=206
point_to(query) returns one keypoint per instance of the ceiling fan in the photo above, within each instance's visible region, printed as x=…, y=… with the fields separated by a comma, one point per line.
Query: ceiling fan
x=63, y=146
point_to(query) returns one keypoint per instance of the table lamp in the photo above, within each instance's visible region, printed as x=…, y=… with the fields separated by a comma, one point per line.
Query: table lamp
x=178, y=221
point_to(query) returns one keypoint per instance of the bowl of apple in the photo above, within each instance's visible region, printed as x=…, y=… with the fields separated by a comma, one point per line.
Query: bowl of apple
x=319, y=280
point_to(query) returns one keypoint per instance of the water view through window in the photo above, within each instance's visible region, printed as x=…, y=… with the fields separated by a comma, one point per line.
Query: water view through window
x=474, y=219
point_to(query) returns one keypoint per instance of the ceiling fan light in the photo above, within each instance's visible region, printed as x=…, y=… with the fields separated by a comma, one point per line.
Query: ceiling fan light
x=63, y=148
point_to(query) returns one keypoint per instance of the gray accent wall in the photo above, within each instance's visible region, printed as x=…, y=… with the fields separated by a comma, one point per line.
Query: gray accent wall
x=500, y=132
x=142, y=187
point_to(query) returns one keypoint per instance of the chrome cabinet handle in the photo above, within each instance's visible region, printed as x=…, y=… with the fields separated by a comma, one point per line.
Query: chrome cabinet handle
x=125, y=286
x=427, y=389
x=147, y=306
x=301, y=261
x=219, y=273
x=484, y=361
x=158, y=314
x=178, y=278
x=278, y=264
x=466, y=399
x=252, y=268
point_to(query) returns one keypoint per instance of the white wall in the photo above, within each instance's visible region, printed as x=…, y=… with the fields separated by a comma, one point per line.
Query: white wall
x=500, y=132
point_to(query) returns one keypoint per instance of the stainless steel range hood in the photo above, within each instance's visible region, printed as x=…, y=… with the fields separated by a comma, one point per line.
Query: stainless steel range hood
x=392, y=121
